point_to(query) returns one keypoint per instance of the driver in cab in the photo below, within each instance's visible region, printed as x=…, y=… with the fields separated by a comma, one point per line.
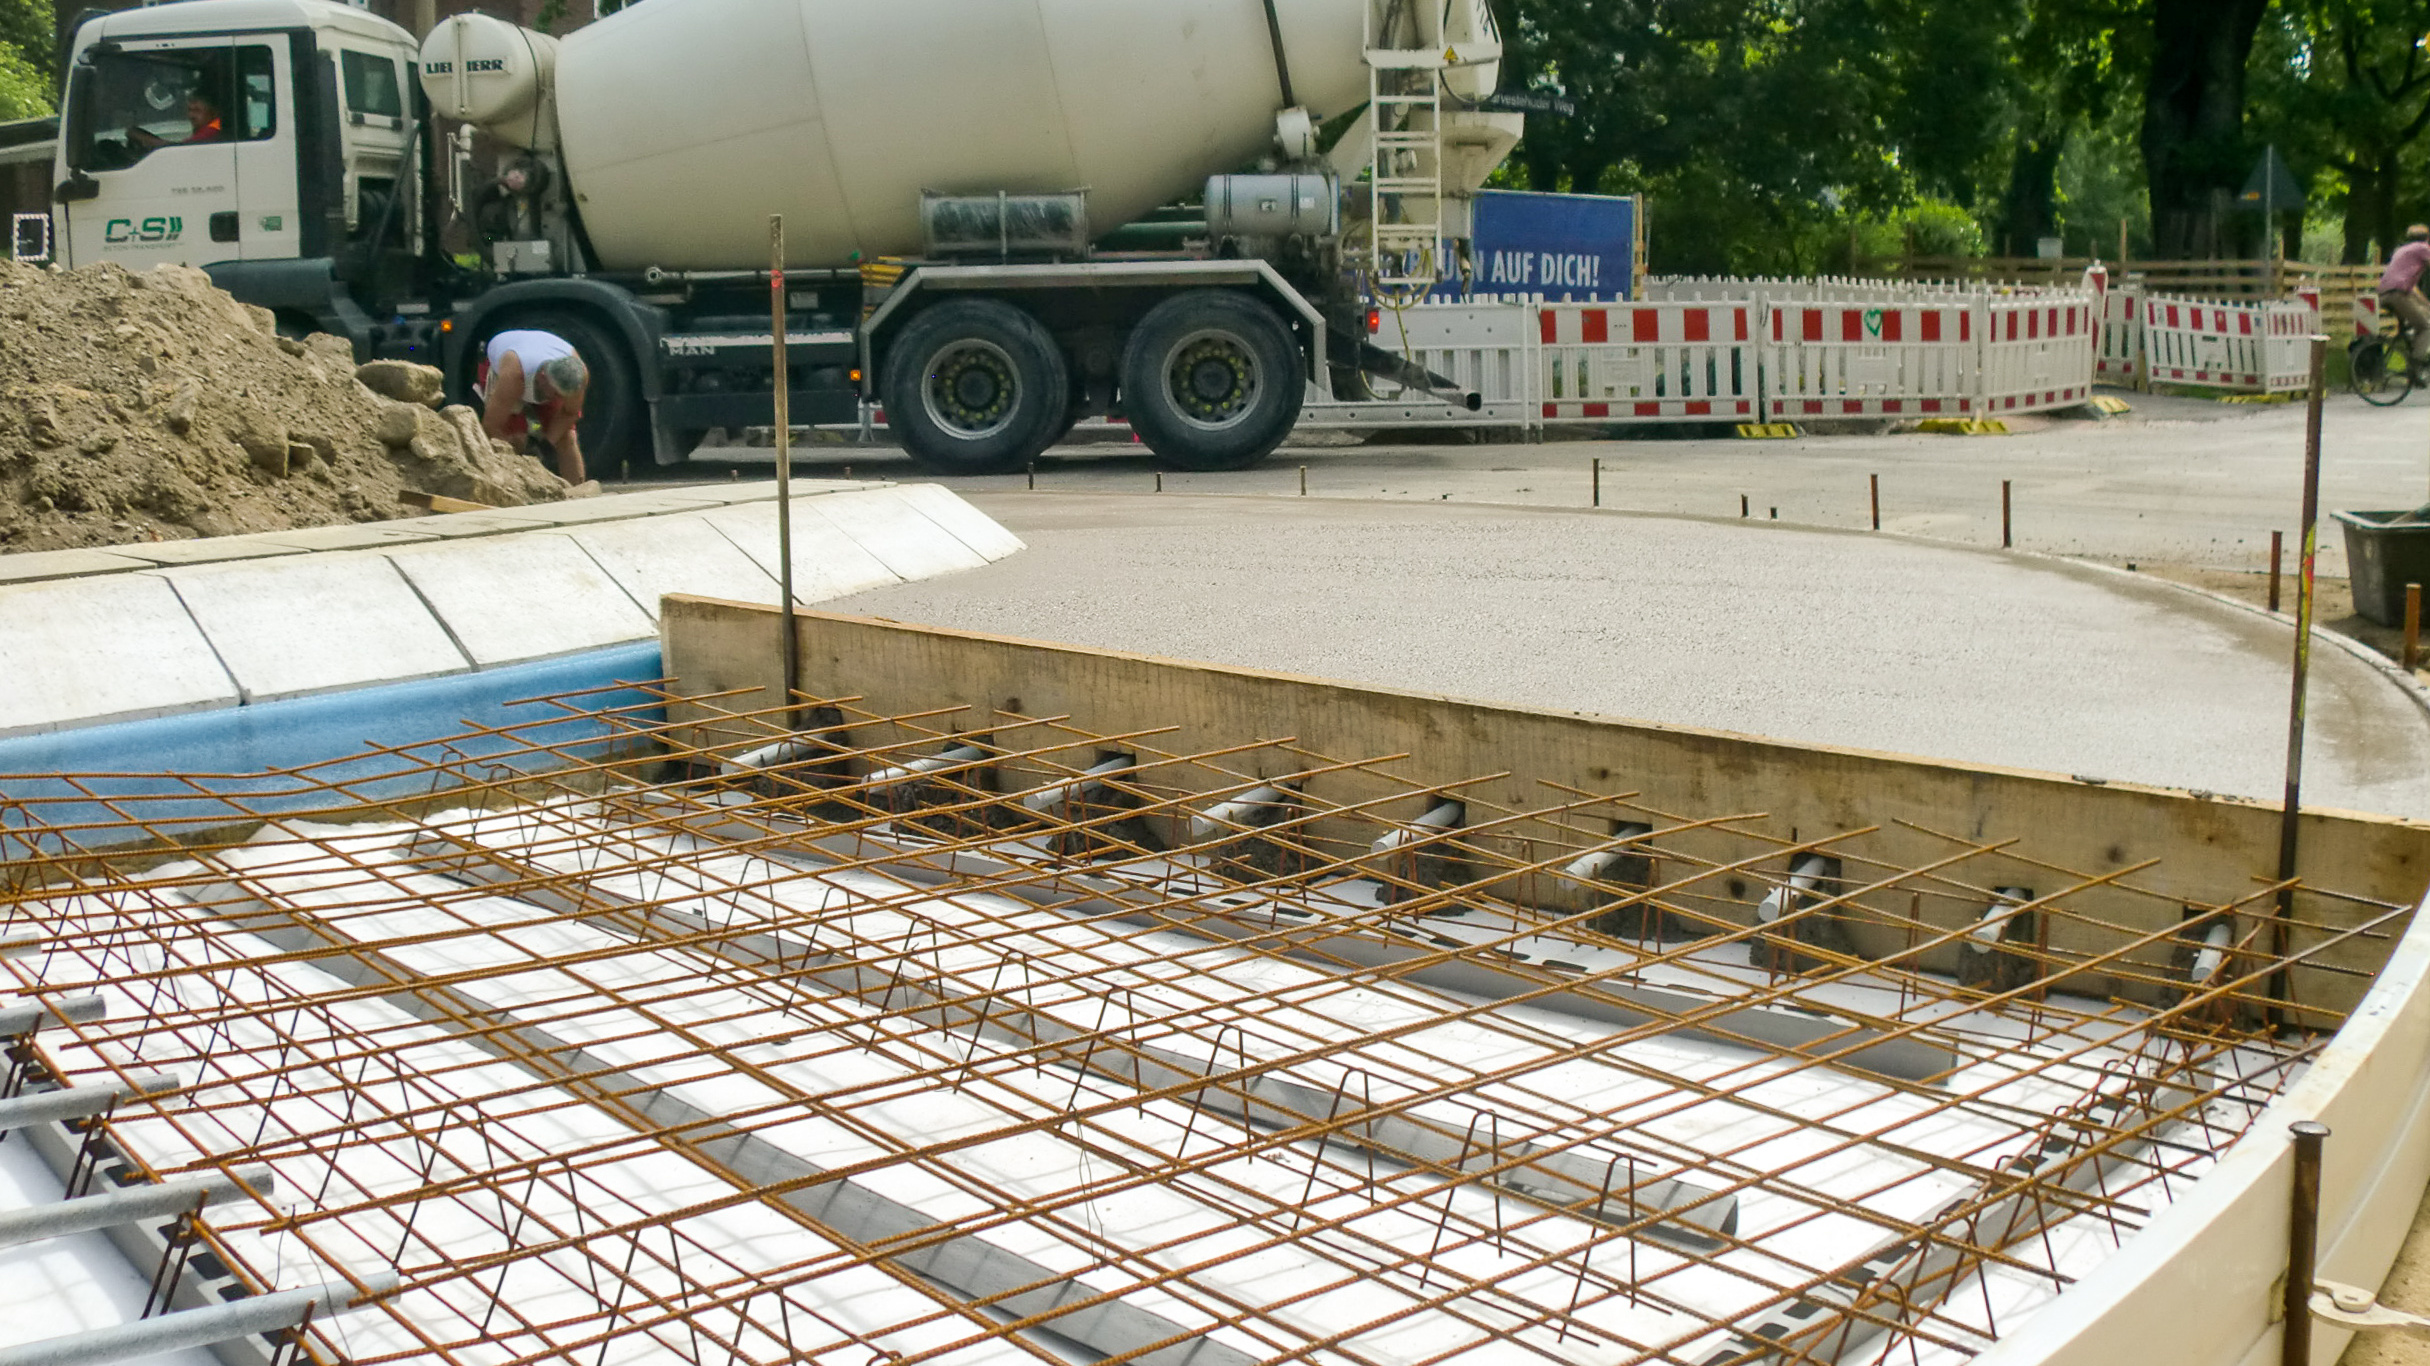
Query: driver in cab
x=201, y=113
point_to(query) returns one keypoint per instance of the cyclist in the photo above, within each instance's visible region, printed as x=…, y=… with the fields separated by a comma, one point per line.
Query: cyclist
x=2400, y=294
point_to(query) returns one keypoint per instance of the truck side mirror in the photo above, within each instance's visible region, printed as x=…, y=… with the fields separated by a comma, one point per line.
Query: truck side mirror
x=76, y=187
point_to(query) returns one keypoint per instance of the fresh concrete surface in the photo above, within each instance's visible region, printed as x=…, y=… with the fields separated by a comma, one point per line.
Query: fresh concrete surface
x=116, y=648
x=1825, y=637
x=313, y=623
x=2183, y=480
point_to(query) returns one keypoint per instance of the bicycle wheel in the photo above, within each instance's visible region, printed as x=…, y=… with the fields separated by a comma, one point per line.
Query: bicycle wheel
x=2381, y=374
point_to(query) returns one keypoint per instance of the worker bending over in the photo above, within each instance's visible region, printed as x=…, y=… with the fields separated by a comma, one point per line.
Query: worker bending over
x=530, y=381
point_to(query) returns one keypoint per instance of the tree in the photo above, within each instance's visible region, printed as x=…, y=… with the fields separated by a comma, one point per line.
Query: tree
x=2344, y=85
x=2194, y=149
x=25, y=59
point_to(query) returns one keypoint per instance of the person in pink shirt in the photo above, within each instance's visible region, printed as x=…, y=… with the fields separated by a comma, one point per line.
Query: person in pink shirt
x=2400, y=290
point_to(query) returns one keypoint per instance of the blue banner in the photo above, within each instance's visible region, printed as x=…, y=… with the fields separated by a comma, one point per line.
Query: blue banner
x=1565, y=247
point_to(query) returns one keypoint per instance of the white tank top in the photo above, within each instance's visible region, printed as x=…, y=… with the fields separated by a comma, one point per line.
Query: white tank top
x=535, y=348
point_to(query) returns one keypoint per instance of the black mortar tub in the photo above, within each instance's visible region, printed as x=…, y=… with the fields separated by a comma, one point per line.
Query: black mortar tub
x=2381, y=559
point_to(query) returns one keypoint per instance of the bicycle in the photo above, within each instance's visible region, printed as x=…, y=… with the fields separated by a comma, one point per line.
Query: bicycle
x=2381, y=368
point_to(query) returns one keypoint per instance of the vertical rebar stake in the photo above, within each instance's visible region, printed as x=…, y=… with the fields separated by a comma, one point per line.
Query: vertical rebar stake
x=1876, y=481
x=2278, y=550
x=2413, y=627
x=2307, y=563
x=1596, y=498
x=1303, y=481
x=2008, y=537
x=2303, y=1242
x=790, y=645
x=1742, y=505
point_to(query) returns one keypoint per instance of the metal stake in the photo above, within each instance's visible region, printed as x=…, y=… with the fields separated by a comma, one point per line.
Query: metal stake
x=1303, y=481
x=2291, y=816
x=1876, y=481
x=1596, y=499
x=2303, y=1241
x=2008, y=537
x=790, y=643
x=2413, y=627
x=2277, y=554
x=1742, y=505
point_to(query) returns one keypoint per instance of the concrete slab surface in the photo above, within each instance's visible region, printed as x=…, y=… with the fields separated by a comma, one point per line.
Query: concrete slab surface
x=116, y=648
x=64, y=564
x=358, y=536
x=983, y=534
x=911, y=545
x=827, y=563
x=314, y=623
x=1810, y=635
x=516, y=598
x=2179, y=479
x=662, y=555
x=206, y=550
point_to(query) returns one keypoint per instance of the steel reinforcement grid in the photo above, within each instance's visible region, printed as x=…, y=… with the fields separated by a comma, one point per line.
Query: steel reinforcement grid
x=852, y=1038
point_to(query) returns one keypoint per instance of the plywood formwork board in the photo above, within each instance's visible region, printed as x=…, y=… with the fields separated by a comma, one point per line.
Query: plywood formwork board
x=315, y=623
x=115, y=648
x=522, y=597
x=2209, y=850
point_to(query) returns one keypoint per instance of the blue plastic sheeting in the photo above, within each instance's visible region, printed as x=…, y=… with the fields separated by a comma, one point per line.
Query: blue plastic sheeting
x=232, y=761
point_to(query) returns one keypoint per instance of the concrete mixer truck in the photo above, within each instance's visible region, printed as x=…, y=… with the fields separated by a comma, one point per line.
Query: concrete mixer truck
x=961, y=184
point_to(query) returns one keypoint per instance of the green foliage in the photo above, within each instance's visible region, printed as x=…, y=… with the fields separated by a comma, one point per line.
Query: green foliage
x=25, y=92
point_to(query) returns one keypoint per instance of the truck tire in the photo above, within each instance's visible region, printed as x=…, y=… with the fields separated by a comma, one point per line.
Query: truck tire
x=976, y=386
x=1211, y=380
x=614, y=427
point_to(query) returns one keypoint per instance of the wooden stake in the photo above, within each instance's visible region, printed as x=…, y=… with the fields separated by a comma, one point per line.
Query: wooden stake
x=783, y=393
x=2413, y=627
x=2290, y=816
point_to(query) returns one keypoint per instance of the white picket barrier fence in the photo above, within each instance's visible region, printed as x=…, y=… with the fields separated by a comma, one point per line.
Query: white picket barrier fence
x=1743, y=351
x=2120, y=357
x=2241, y=347
x=1648, y=362
x=2039, y=353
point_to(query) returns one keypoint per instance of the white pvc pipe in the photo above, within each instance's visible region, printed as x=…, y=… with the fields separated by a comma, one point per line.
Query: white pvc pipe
x=1052, y=798
x=24, y=1017
x=128, y=1205
x=1243, y=813
x=1598, y=866
x=192, y=1327
x=1446, y=816
x=1804, y=876
x=2213, y=953
x=77, y=1102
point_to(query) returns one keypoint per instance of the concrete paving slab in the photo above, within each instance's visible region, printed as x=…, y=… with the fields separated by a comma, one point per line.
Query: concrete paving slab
x=764, y=490
x=1819, y=637
x=118, y=647
x=208, y=550
x=611, y=508
x=522, y=597
x=655, y=556
x=970, y=526
x=826, y=562
x=905, y=541
x=314, y=623
x=457, y=525
x=355, y=536
x=64, y=564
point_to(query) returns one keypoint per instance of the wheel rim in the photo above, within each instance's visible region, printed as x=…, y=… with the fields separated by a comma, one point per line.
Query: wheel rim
x=1213, y=380
x=973, y=390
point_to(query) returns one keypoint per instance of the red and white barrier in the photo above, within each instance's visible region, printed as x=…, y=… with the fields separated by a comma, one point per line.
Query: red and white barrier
x=2038, y=353
x=2246, y=347
x=1861, y=360
x=2119, y=357
x=1647, y=362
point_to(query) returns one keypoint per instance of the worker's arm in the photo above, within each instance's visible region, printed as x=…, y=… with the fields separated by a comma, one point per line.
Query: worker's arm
x=504, y=402
x=566, y=439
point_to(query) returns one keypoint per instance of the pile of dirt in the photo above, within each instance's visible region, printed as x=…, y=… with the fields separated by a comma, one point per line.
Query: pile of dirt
x=153, y=406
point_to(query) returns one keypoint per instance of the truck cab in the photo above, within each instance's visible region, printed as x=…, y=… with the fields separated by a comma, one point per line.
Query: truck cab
x=265, y=141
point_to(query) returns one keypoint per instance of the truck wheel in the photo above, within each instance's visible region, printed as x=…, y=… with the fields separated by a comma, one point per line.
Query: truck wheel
x=1212, y=381
x=614, y=428
x=975, y=387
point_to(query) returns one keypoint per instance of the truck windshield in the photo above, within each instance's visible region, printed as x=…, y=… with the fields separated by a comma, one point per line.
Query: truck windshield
x=128, y=105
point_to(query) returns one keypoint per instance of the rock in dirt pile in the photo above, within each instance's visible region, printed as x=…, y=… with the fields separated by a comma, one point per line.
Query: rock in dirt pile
x=154, y=406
